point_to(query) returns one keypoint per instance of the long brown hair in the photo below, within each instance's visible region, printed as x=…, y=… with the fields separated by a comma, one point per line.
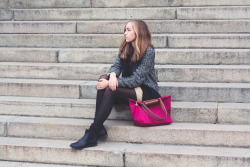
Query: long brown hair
x=142, y=41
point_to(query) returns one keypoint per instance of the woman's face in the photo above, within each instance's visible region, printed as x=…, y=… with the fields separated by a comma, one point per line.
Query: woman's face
x=129, y=33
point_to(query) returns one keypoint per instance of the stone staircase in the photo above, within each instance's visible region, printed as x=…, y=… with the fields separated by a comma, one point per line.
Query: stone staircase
x=52, y=53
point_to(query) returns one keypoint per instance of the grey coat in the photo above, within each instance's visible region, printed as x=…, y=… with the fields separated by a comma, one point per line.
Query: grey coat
x=136, y=74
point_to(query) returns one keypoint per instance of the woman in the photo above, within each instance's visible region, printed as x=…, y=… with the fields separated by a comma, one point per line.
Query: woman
x=136, y=63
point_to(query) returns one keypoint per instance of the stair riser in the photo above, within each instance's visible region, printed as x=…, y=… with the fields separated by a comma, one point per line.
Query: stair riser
x=199, y=137
x=168, y=26
x=67, y=41
x=113, y=3
x=111, y=27
x=170, y=56
x=61, y=156
x=26, y=4
x=204, y=94
x=209, y=41
x=149, y=160
x=92, y=72
x=38, y=28
x=6, y=14
x=191, y=94
x=39, y=90
x=199, y=114
x=233, y=114
x=93, y=41
x=22, y=55
x=203, y=75
x=222, y=13
x=94, y=14
x=159, y=3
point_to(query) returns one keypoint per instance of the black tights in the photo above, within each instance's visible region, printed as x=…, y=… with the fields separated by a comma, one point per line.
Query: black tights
x=106, y=99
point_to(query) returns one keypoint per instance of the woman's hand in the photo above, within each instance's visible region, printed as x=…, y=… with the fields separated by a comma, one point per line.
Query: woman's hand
x=113, y=82
x=102, y=84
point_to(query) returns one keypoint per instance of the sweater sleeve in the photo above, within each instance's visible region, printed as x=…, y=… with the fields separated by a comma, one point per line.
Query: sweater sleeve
x=116, y=67
x=141, y=73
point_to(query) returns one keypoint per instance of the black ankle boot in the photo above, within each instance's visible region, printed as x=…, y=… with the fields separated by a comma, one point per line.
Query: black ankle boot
x=90, y=138
x=103, y=133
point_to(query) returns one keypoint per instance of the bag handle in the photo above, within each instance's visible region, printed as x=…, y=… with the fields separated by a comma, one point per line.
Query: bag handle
x=150, y=113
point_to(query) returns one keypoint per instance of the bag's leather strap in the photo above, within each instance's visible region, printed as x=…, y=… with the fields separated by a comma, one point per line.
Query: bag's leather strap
x=150, y=113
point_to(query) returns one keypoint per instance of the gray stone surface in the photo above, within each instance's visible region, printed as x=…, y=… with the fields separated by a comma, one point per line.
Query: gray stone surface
x=169, y=156
x=39, y=88
x=203, y=56
x=38, y=27
x=85, y=108
x=4, y=4
x=59, y=152
x=6, y=14
x=24, y=164
x=209, y=41
x=214, y=13
x=191, y=92
x=206, y=92
x=203, y=73
x=162, y=3
x=169, y=26
x=70, y=40
x=95, y=14
x=123, y=131
x=24, y=4
x=28, y=55
x=234, y=113
x=121, y=154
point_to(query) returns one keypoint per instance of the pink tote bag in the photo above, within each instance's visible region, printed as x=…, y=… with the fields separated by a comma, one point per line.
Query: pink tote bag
x=151, y=112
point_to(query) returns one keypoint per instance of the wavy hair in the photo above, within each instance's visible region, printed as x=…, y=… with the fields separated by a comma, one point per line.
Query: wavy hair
x=142, y=41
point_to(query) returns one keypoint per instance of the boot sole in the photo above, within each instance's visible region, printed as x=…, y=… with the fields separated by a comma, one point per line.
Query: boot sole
x=89, y=145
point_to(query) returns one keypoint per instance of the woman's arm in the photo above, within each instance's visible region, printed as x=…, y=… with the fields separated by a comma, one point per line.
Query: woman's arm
x=116, y=67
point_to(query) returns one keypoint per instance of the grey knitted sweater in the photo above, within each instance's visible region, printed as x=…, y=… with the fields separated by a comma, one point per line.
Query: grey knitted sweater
x=136, y=74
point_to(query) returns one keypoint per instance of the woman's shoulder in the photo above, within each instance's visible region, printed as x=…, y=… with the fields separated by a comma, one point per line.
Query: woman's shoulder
x=150, y=51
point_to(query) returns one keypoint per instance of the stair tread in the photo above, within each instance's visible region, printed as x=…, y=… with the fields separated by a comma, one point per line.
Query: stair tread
x=128, y=147
x=118, y=123
x=161, y=84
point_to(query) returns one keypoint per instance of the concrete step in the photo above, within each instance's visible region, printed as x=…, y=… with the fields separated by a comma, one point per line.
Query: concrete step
x=165, y=73
x=120, y=154
x=180, y=91
x=70, y=40
x=240, y=41
x=125, y=131
x=214, y=13
x=40, y=88
x=209, y=41
x=24, y=4
x=194, y=112
x=26, y=164
x=27, y=4
x=6, y=14
x=162, y=13
x=168, y=26
x=54, y=27
x=116, y=27
x=42, y=55
x=191, y=91
x=108, y=55
x=94, y=14
x=234, y=113
x=160, y=3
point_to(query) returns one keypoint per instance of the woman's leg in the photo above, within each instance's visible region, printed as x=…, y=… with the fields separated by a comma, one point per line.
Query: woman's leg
x=106, y=101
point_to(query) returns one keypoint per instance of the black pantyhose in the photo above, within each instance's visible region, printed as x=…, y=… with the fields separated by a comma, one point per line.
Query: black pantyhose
x=105, y=100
